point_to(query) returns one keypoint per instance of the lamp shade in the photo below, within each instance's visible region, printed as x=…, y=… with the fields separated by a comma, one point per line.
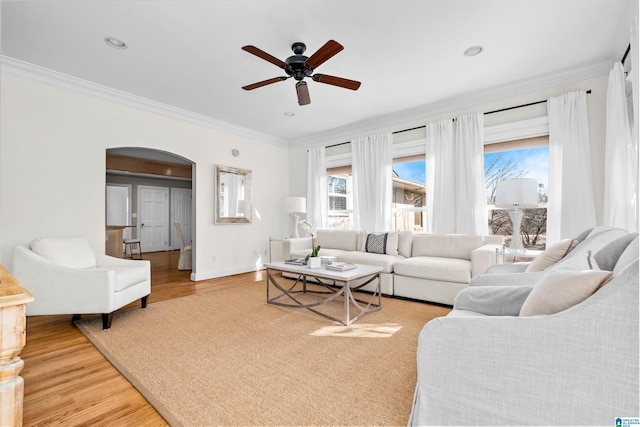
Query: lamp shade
x=517, y=193
x=296, y=204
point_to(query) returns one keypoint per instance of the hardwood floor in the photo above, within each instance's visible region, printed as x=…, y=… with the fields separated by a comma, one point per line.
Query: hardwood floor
x=68, y=381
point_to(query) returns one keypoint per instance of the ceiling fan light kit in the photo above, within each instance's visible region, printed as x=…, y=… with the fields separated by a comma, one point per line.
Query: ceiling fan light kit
x=300, y=66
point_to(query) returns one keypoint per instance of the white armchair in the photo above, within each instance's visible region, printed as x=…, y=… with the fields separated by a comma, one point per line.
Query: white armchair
x=66, y=277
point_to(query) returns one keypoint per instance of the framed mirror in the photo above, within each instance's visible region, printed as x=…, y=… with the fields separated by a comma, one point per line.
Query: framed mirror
x=233, y=195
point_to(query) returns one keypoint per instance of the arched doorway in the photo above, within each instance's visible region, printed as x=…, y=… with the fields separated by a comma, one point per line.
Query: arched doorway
x=150, y=190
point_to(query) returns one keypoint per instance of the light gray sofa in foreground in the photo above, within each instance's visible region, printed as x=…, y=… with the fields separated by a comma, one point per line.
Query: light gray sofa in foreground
x=488, y=364
x=427, y=267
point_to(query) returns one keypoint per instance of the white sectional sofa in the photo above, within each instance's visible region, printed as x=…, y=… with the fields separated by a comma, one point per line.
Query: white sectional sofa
x=420, y=266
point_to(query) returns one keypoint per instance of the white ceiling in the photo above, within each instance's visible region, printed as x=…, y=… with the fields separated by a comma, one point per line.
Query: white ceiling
x=408, y=54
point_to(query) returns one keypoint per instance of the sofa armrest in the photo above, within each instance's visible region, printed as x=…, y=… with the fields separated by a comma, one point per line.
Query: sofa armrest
x=482, y=258
x=507, y=279
x=296, y=244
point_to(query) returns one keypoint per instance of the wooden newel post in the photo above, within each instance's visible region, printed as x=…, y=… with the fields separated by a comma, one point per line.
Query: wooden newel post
x=13, y=334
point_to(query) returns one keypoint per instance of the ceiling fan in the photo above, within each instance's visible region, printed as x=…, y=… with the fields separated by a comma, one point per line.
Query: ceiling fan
x=299, y=66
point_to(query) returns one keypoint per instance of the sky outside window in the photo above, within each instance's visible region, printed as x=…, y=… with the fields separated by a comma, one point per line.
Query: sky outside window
x=533, y=162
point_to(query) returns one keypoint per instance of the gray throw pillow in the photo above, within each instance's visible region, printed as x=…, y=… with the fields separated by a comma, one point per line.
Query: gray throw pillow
x=608, y=256
x=493, y=300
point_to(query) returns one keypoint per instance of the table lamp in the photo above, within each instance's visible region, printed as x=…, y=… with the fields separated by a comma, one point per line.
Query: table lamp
x=294, y=206
x=517, y=194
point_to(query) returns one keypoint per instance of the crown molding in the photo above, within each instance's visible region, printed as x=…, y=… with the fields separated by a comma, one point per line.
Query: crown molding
x=459, y=103
x=45, y=75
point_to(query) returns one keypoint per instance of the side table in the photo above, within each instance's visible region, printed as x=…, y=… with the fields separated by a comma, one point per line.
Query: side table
x=13, y=336
x=275, y=250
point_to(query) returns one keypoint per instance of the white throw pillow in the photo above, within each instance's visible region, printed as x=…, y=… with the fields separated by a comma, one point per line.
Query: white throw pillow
x=73, y=252
x=559, y=290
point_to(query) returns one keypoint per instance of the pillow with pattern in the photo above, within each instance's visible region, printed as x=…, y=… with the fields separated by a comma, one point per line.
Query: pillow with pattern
x=382, y=243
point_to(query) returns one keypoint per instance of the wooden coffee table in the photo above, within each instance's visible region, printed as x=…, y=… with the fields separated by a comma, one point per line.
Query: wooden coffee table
x=333, y=284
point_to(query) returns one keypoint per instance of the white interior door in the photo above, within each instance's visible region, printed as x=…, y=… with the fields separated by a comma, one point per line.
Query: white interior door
x=181, y=208
x=153, y=218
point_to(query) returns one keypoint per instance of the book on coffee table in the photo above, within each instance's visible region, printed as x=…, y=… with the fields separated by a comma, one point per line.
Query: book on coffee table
x=340, y=266
x=296, y=261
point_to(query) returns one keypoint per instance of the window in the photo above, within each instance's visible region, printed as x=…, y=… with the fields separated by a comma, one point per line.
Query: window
x=409, y=195
x=340, y=198
x=515, y=159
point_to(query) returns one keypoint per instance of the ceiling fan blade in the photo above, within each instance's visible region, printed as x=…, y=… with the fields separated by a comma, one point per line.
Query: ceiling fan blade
x=264, y=83
x=336, y=81
x=326, y=52
x=264, y=55
x=303, y=93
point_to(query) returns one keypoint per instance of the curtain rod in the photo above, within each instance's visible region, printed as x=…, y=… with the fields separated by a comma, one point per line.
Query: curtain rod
x=488, y=112
x=626, y=52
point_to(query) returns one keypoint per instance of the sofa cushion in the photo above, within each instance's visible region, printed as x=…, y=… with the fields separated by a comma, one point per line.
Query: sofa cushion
x=550, y=256
x=435, y=268
x=382, y=243
x=385, y=261
x=559, y=290
x=337, y=239
x=608, y=256
x=72, y=252
x=127, y=276
x=445, y=245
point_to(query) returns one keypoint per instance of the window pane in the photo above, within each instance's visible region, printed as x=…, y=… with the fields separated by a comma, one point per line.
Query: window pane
x=340, y=202
x=409, y=197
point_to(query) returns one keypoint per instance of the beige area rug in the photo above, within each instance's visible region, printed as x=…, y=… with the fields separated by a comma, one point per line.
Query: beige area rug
x=229, y=358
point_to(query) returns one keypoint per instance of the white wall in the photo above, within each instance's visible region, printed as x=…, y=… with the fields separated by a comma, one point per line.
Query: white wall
x=596, y=107
x=52, y=172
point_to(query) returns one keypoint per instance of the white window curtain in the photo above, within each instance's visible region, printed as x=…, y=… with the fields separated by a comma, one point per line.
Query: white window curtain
x=635, y=89
x=634, y=53
x=621, y=161
x=317, y=196
x=372, y=182
x=571, y=205
x=456, y=197
x=471, y=198
x=440, y=177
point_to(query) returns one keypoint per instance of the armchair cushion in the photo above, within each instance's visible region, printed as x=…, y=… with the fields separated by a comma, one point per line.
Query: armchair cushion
x=550, y=256
x=608, y=256
x=72, y=252
x=125, y=277
x=562, y=289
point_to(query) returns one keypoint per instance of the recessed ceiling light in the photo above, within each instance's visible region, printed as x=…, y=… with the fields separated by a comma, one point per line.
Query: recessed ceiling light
x=289, y=114
x=473, y=51
x=115, y=43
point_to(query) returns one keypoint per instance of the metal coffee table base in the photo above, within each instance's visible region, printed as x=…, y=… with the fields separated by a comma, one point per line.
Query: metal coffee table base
x=332, y=291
